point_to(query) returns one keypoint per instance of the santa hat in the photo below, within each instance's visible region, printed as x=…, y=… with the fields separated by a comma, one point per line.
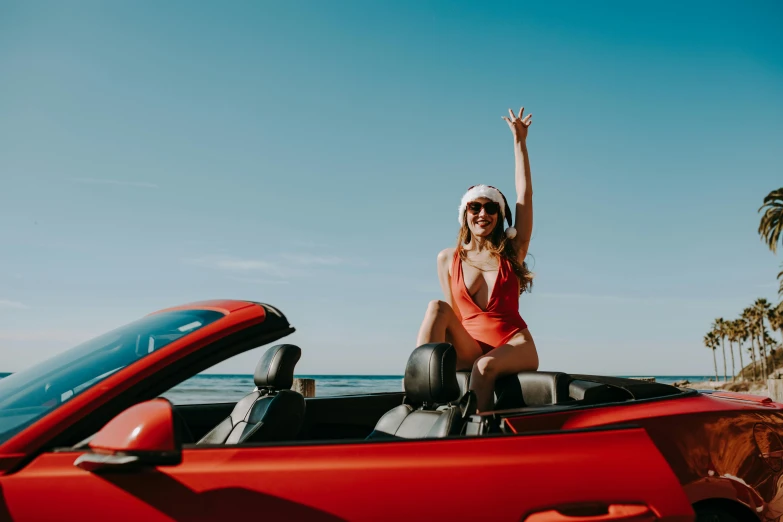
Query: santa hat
x=493, y=194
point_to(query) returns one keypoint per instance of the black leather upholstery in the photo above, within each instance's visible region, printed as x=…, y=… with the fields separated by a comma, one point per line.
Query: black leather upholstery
x=406, y=423
x=531, y=389
x=431, y=391
x=276, y=368
x=271, y=412
x=463, y=380
x=430, y=375
x=588, y=392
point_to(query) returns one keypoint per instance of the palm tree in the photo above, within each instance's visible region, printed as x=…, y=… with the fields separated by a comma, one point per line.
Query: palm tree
x=719, y=327
x=770, y=341
x=753, y=324
x=775, y=317
x=710, y=342
x=749, y=329
x=771, y=225
x=762, y=308
x=731, y=335
x=740, y=335
x=728, y=329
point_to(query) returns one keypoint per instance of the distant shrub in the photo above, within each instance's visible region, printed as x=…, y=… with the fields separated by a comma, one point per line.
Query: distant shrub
x=736, y=386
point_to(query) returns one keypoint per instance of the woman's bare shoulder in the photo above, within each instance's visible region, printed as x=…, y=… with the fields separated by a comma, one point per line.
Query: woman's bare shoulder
x=444, y=259
x=445, y=255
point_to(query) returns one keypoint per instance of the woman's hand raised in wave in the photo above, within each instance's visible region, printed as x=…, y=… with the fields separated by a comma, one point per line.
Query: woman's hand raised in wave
x=519, y=125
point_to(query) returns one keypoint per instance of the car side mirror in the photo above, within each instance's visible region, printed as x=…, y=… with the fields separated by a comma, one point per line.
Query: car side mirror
x=143, y=435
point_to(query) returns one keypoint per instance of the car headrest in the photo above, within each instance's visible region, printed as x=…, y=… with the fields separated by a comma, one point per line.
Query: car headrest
x=431, y=374
x=276, y=368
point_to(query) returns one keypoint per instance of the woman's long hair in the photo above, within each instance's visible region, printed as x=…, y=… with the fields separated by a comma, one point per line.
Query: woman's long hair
x=498, y=245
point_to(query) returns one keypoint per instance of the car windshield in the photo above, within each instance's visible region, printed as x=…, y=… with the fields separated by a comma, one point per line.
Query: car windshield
x=28, y=395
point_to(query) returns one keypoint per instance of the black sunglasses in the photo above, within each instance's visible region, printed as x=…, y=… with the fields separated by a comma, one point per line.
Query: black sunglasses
x=491, y=207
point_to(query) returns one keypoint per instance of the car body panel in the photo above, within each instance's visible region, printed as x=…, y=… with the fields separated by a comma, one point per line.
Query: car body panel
x=713, y=442
x=486, y=478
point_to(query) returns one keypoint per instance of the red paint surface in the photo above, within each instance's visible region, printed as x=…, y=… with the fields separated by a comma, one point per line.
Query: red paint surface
x=614, y=513
x=499, y=479
x=742, y=397
x=620, y=413
x=708, y=441
x=148, y=426
x=225, y=306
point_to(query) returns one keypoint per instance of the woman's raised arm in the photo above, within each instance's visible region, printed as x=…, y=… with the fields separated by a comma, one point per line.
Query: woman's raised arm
x=523, y=215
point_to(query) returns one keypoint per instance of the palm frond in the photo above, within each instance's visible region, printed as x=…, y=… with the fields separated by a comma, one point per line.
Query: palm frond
x=771, y=224
x=780, y=278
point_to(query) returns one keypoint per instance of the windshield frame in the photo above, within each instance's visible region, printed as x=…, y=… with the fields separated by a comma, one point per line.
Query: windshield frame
x=247, y=325
x=64, y=377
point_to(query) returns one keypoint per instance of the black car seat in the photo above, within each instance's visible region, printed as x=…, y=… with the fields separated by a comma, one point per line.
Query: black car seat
x=272, y=412
x=523, y=389
x=432, y=406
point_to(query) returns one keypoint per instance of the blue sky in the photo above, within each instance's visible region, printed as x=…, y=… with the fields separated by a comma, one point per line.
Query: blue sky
x=312, y=155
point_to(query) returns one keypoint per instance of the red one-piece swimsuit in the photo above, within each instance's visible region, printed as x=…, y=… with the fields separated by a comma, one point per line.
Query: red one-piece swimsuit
x=496, y=325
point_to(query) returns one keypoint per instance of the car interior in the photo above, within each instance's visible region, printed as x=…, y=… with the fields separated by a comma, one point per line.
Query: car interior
x=435, y=402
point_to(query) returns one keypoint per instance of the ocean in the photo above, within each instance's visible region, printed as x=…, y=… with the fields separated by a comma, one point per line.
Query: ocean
x=206, y=388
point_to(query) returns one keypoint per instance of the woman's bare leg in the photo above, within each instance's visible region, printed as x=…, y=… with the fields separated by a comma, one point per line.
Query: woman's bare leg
x=517, y=356
x=440, y=325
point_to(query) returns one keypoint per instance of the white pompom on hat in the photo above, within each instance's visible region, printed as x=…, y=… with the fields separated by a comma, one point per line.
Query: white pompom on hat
x=493, y=194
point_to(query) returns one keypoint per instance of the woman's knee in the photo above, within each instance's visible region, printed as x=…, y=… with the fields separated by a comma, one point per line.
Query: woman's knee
x=438, y=308
x=485, y=367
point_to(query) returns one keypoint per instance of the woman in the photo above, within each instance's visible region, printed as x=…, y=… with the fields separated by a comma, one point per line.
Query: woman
x=482, y=279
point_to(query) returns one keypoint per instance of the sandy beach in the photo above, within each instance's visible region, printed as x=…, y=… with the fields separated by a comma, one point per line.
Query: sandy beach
x=753, y=388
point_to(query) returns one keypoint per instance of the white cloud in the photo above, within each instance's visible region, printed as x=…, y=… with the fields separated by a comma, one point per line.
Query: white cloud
x=245, y=264
x=63, y=336
x=284, y=266
x=301, y=243
x=260, y=281
x=94, y=181
x=5, y=303
x=570, y=296
x=309, y=260
x=230, y=263
x=239, y=265
x=641, y=299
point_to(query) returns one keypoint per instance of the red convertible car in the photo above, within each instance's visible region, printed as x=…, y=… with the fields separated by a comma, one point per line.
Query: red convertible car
x=86, y=436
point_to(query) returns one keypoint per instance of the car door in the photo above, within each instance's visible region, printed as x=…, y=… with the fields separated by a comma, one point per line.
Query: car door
x=579, y=476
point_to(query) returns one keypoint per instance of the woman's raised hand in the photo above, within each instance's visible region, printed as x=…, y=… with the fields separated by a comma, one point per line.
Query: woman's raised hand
x=518, y=124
